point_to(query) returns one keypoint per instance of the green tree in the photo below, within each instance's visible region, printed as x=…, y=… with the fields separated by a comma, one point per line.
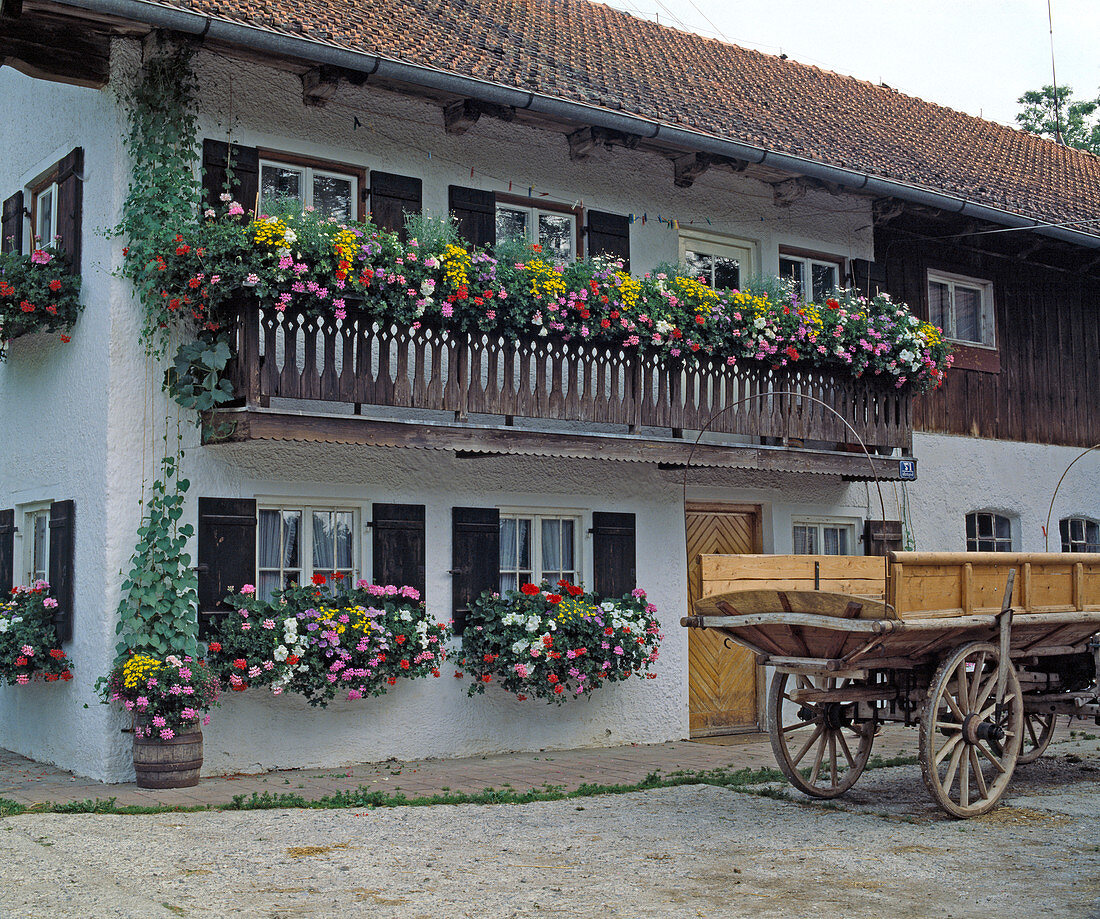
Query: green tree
x=1080, y=123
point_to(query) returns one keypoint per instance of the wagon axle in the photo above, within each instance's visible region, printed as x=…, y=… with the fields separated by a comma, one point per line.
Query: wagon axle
x=976, y=729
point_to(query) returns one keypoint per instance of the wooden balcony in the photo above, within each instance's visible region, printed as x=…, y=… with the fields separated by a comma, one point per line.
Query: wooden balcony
x=353, y=381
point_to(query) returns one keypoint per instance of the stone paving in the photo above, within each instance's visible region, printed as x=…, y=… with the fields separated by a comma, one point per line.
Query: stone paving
x=28, y=782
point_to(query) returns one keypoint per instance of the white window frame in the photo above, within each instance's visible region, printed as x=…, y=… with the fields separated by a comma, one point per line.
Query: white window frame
x=537, y=515
x=1086, y=544
x=39, y=510
x=972, y=543
x=808, y=263
x=40, y=240
x=722, y=246
x=820, y=524
x=533, y=214
x=305, y=539
x=308, y=173
x=987, y=316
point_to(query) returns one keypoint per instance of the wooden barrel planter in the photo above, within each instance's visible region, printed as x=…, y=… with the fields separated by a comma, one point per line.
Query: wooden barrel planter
x=171, y=763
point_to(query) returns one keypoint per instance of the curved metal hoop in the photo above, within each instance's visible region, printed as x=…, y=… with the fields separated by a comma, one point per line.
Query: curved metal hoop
x=798, y=395
x=1050, y=510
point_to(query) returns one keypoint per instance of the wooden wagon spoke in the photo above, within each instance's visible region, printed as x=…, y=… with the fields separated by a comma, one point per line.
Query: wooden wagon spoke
x=985, y=692
x=962, y=692
x=797, y=758
x=953, y=766
x=948, y=747
x=1030, y=725
x=988, y=754
x=948, y=726
x=832, y=757
x=964, y=782
x=815, y=771
x=976, y=768
x=847, y=753
x=953, y=705
x=975, y=684
x=797, y=725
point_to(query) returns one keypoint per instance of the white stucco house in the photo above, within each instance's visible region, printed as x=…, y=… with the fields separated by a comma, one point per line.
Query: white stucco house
x=616, y=135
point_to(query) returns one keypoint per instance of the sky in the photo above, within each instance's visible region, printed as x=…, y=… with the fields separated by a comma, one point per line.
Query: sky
x=977, y=56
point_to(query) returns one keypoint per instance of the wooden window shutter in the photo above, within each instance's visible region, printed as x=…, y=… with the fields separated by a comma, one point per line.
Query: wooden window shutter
x=11, y=228
x=609, y=234
x=867, y=277
x=476, y=212
x=70, y=197
x=475, y=553
x=245, y=188
x=61, y=574
x=227, y=553
x=391, y=197
x=613, y=554
x=7, y=552
x=882, y=536
x=398, y=548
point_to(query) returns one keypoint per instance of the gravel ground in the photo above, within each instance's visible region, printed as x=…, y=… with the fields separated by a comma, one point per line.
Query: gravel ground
x=883, y=851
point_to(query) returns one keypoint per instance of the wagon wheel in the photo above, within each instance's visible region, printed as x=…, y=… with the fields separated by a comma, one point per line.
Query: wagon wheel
x=969, y=748
x=819, y=746
x=1038, y=730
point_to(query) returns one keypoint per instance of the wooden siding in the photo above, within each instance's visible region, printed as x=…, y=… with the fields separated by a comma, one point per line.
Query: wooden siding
x=1047, y=389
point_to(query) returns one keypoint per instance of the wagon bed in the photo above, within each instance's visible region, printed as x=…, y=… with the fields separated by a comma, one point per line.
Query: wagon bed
x=982, y=650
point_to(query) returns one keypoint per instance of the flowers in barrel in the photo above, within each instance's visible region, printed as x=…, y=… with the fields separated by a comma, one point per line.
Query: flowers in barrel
x=327, y=639
x=167, y=697
x=560, y=643
x=29, y=649
x=38, y=293
x=307, y=264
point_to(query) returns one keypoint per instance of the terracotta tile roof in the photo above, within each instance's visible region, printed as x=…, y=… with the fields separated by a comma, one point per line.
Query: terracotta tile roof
x=590, y=53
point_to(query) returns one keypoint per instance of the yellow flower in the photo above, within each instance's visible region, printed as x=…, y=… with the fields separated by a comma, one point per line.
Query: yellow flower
x=705, y=298
x=270, y=231
x=573, y=608
x=629, y=289
x=545, y=281
x=138, y=669
x=345, y=244
x=456, y=266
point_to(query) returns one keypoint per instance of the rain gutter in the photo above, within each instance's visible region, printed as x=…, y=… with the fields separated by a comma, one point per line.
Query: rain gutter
x=279, y=44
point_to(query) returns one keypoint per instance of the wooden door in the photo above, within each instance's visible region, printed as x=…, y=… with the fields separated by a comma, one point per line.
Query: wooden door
x=722, y=681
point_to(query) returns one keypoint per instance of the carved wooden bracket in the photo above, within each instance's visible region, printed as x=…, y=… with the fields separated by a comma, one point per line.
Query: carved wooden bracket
x=460, y=116
x=319, y=85
x=583, y=141
x=687, y=168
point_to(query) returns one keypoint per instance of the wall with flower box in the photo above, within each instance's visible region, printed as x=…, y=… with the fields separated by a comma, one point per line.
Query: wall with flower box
x=55, y=403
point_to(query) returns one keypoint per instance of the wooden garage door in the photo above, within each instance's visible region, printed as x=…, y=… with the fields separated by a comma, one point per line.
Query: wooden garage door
x=722, y=682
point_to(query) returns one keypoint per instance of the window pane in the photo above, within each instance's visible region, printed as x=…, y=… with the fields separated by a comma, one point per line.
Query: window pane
x=792, y=268
x=938, y=295
x=727, y=273
x=1004, y=527
x=523, y=542
x=971, y=526
x=269, y=583
x=45, y=217
x=985, y=525
x=551, y=548
x=39, y=562
x=511, y=224
x=269, y=539
x=279, y=182
x=567, y=547
x=344, y=540
x=835, y=540
x=323, y=537
x=805, y=540
x=508, y=582
x=507, y=545
x=699, y=265
x=968, y=314
x=291, y=527
x=824, y=281
x=556, y=236
x=332, y=196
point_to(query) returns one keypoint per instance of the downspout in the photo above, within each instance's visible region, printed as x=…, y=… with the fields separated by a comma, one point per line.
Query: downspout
x=281, y=45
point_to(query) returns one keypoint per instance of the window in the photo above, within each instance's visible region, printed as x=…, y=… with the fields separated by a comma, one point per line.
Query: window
x=814, y=279
x=296, y=543
x=823, y=537
x=554, y=230
x=44, y=215
x=326, y=187
x=988, y=533
x=962, y=307
x=36, y=544
x=1079, y=534
x=721, y=263
x=536, y=548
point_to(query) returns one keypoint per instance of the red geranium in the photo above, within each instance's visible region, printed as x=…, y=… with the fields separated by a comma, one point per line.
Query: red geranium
x=319, y=579
x=529, y=589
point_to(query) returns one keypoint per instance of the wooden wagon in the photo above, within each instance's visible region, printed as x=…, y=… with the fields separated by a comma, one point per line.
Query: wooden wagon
x=982, y=651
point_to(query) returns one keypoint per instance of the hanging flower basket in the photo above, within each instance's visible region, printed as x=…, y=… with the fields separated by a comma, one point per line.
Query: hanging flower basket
x=29, y=649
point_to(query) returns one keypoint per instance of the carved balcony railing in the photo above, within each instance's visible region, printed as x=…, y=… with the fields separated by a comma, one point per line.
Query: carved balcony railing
x=290, y=356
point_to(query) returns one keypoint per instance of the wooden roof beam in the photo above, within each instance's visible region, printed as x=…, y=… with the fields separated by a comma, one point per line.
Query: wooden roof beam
x=54, y=50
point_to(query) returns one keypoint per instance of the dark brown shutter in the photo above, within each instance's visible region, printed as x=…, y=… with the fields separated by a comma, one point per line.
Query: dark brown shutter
x=882, y=536
x=227, y=553
x=11, y=229
x=398, y=545
x=245, y=187
x=476, y=212
x=867, y=277
x=391, y=197
x=62, y=544
x=475, y=552
x=7, y=553
x=608, y=234
x=613, y=554
x=70, y=197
